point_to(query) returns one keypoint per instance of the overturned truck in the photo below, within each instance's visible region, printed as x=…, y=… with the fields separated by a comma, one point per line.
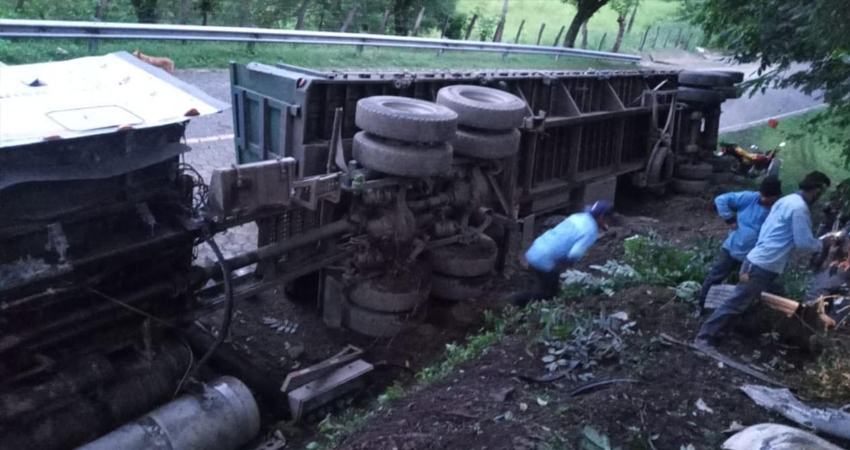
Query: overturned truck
x=360, y=183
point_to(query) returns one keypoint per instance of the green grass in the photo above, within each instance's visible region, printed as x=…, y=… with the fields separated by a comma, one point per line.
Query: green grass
x=803, y=151
x=217, y=55
x=556, y=13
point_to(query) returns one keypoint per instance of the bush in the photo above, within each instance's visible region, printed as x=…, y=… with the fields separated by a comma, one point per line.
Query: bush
x=660, y=262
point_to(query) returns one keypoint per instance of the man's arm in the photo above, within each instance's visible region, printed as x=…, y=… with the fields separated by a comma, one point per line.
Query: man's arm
x=801, y=226
x=730, y=203
x=586, y=240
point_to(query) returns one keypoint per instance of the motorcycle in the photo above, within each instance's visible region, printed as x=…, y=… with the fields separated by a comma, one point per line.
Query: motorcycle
x=752, y=163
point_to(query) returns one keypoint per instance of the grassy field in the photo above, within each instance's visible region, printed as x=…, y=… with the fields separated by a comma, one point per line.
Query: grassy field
x=802, y=153
x=556, y=13
x=204, y=55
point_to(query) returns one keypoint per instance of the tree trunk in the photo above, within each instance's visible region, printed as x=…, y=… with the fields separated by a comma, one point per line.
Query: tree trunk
x=418, y=21
x=145, y=10
x=632, y=19
x=471, y=25
x=184, y=11
x=204, y=20
x=400, y=17
x=540, y=33
x=19, y=6
x=244, y=13
x=621, y=24
x=349, y=17
x=558, y=37
x=572, y=32
x=100, y=10
x=584, y=35
x=301, y=13
x=500, y=28
x=383, y=28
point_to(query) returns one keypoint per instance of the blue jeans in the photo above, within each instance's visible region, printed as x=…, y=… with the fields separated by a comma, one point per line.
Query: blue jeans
x=724, y=265
x=746, y=293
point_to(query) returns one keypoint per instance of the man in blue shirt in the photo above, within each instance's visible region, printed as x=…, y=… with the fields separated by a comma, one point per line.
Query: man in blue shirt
x=788, y=226
x=559, y=248
x=744, y=212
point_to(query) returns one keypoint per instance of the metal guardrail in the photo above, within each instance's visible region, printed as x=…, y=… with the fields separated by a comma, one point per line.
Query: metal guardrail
x=15, y=28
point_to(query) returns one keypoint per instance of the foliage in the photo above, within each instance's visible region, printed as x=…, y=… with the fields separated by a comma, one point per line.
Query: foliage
x=816, y=60
x=579, y=340
x=661, y=262
x=459, y=354
x=688, y=291
x=594, y=440
x=796, y=280
x=830, y=376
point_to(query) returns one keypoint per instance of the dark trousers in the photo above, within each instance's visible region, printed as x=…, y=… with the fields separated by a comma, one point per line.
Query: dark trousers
x=724, y=266
x=545, y=287
x=746, y=293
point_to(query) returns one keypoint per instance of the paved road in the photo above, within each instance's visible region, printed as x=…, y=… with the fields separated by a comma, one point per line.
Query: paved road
x=208, y=154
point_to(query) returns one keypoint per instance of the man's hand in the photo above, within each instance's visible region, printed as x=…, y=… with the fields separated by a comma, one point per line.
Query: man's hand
x=733, y=225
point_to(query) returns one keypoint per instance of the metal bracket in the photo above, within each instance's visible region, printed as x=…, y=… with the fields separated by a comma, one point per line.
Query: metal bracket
x=308, y=192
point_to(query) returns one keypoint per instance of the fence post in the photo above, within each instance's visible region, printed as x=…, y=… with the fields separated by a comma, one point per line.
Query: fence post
x=584, y=35
x=471, y=24
x=364, y=28
x=99, y=12
x=657, y=32
x=250, y=46
x=540, y=33
x=349, y=17
x=516, y=40
x=383, y=27
x=602, y=41
x=418, y=21
x=688, y=41
x=558, y=39
x=678, y=39
x=643, y=41
x=443, y=32
x=667, y=39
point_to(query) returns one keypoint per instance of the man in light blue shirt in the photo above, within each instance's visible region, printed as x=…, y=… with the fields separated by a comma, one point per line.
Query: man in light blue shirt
x=745, y=212
x=788, y=226
x=559, y=248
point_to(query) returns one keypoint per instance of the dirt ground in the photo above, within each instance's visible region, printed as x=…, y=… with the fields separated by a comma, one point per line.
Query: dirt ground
x=467, y=409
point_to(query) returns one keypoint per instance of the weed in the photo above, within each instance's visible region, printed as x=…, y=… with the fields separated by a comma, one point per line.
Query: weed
x=661, y=262
x=334, y=429
x=457, y=355
x=830, y=377
x=393, y=392
x=795, y=281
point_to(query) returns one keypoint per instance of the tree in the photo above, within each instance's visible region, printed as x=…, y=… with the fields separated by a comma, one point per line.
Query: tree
x=145, y=10
x=207, y=7
x=585, y=9
x=622, y=8
x=805, y=45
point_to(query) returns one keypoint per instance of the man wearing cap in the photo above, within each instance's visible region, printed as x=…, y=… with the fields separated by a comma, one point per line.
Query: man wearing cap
x=745, y=212
x=788, y=226
x=559, y=248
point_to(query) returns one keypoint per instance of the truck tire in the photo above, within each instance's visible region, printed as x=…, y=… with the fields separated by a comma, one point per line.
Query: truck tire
x=705, y=79
x=690, y=187
x=405, y=119
x=736, y=75
x=482, y=107
x=398, y=158
x=701, y=171
x=695, y=95
x=721, y=178
x=729, y=91
x=392, y=294
x=459, y=260
x=457, y=289
x=722, y=163
x=486, y=144
x=370, y=323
